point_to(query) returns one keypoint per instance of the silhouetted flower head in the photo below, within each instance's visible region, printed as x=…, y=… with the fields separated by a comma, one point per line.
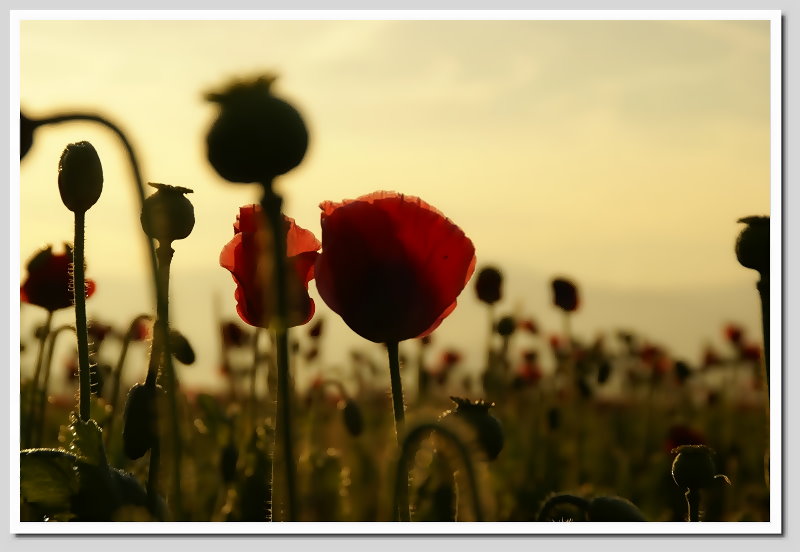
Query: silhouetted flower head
x=80, y=176
x=26, y=129
x=140, y=429
x=253, y=271
x=49, y=282
x=257, y=136
x=565, y=295
x=489, y=285
x=489, y=430
x=168, y=214
x=752, y=245
x=734, y=334
x=506, y=326
x=391, y=265
x=694, y=468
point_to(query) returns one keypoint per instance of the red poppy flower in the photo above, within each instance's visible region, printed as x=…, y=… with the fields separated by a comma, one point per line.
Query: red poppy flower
x=252, y=270
x=49, y=283
x=391, y=266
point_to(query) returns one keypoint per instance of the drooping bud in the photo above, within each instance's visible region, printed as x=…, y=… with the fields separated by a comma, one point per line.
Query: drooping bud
x=140, y=429
x=168, y=214
x=353, y=420
x=489, y=285
x=488, y=429
x=80, y=176
x=257, y=136
x=752, y=245
x=181, y=348
x=565, y=295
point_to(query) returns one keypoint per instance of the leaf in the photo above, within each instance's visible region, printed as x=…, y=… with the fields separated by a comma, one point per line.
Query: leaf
x=49, y=478
x=86, y=441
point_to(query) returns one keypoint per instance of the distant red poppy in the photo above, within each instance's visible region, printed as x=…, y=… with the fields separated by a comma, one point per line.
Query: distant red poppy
x=734, y=334
x=391, y=266
x=49, y=280
x=252, y=270
x=529, y=325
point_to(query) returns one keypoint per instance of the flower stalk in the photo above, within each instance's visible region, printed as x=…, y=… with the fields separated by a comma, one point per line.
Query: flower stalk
x=34, y=387
x=48, y=362
x=271, y=205
x=81, y=327
x=401, y=494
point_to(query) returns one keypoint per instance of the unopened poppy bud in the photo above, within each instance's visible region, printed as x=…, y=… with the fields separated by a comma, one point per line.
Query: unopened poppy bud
x=693, y=467
x=80, y=176
x=353, y=420
x=168, y=215
x=140, y=429
x=752, y=245
x=489, y=285
x=257, y=136
x=506, y=326
x=181, y=348
x=488, y=429
x=229, y=456
x=26, y=128
x=565, y=295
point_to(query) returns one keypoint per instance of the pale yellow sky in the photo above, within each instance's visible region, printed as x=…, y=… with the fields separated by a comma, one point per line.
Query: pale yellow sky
x=620, y=153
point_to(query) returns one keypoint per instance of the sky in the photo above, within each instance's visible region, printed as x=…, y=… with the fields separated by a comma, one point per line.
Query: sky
x=617, y=153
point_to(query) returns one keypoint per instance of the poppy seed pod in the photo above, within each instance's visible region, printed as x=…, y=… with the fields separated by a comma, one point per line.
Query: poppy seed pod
x=506, y=326
x=353, y=420
x=565, y=295
x=489, y=285
x=752, y=245
x=257, y=136
x=80, y=176
x=488, y=429
x=167, y=215
x=140, y=430
x=693, y=467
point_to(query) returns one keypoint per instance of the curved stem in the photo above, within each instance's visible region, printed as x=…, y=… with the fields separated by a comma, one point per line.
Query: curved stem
x=34, y=386
x=117, y=374
x=271, y=204
x=578, y=502
x=693, y=505
x=48, y=361
x=81, y=327
x=414, y=437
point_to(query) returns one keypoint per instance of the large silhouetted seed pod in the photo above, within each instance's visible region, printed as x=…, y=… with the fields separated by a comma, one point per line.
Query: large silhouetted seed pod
x=752, y=245
x=140, y=429
x=167, y=215
x=693, y=467
x=489, y=285
x=257, y=136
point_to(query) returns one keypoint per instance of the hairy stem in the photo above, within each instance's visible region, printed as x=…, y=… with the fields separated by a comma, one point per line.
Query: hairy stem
x=81, y=327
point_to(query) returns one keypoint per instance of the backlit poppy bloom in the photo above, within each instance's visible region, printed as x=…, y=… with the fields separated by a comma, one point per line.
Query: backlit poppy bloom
x=391, y=266
x=252, y=270
x=49, y=280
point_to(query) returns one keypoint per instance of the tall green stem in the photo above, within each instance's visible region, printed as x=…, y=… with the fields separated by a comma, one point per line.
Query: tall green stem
x=81, y=327
x=34, y=386
x=48, y=361
x=401, y=497
x=271, y=205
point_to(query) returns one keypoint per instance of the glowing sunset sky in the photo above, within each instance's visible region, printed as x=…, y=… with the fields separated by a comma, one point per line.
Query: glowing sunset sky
x=620, y=153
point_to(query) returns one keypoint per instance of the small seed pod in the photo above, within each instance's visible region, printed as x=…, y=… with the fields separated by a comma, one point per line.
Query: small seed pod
x=353, y=420
x=488, y=429
x=140, y=429
x=506, y=326
x=80, y=177
x=181, y=348
x=229, y=456
x=257, y=136
x=752, y=245
x=168, y=214
x=693, y=467
x=489, y=285
x=565, y=295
